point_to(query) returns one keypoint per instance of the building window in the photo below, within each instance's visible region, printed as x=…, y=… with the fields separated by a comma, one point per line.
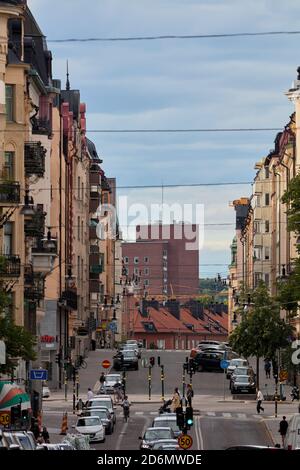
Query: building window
x=9, y=102
x=267, y=172
x=267, y=226
x=267, y=279
x=257, y=278
x=161, y=343
x=267, y=252
x=257, y=253
x=8, y=170
x=82, y=231
x=146, y=282
x=78, y=187
x=126, y=259
x=136, y=260
x=105, y=198
x=257, y=226
x=146, y=271
x=165, y=253
x=257, y=201
x=267, y=199
x=78, y=228
x=136, y=271
x=82, y=192
x=78, y=268
x=146, y=259
x=8, y=238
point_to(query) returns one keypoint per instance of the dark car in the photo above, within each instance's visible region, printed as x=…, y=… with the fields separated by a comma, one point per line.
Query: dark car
x=208, y=360
x=243, y=384
x=241, y=371
x=126, y=360
x=153, y=435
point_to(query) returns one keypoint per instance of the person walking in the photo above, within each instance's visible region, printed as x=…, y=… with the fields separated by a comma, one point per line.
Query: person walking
x=36, y=429
x=189, y=394
x=102, y=381
x=268, y=369
x=89, y=396
x=259, y=400
x=45, y=435
x=283, y=427
x=176, y=401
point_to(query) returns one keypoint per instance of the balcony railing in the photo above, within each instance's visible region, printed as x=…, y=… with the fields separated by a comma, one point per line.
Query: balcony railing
x=96, y=263
x=34, y=284
x=70, y=298
x=94, y=204
x=41, y=126
x=34, y=159
x=35, y=226
x=10, y=266
x=43, y=248
x=9, y=192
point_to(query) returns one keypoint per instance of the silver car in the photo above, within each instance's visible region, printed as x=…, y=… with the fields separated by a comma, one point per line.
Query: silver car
x=167, y=420
x=110, y=381
x=155, y=434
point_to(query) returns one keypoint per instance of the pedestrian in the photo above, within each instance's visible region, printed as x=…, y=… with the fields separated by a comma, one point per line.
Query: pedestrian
x=45, y=435
x=268, y=368
x=118, y=392
x=283, y=427
x=189, y=394
x=102, y=381
x=259, y=400
x=80, y=405
x=176, y=400
x=89, y=396
x=36, y=430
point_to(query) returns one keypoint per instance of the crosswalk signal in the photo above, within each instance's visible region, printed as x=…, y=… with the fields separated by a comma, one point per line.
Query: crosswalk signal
x=192, y=368
x=189, y=420
x=180, y=418
x=152, y=361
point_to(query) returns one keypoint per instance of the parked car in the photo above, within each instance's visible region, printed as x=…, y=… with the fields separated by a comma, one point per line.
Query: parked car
x=155, y=434
x=130, y=360
x=242, y=371
x=105, y=416
x=24, y=440
x=243, y=384
x=167, y=420
x=91, y=426
x=111, y=380
x=46, y=392
x=103, y=401
x=234, y=363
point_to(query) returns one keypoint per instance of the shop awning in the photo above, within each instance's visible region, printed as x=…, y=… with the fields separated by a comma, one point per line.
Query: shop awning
x=11, y=394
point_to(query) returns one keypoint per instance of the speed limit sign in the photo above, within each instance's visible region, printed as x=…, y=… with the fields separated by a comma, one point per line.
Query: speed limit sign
x=4, y=418
x=185, y=441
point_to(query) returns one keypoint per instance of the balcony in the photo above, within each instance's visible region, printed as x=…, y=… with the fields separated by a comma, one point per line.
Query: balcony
x=35, y=225
x=43, y=256
x=9, y=193
x=34, y=284
x=96, y=263
x=41, y=127
x=34, y=159
x=10, y=266
x=95, y=178
x=70, y=298
x=94, y=285
x=94, y=204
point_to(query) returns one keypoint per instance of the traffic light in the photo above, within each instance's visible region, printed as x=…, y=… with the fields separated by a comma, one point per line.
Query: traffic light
x=15, y=414
x=192, y=368
x=189, y=420
x=152, y=361
x=57, y=358
x=180, y=418
x=25, y=419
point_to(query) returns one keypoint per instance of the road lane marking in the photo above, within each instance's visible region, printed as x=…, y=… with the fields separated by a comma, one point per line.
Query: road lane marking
x=122, y=432
x=199, y=438
x=211, y=413
x=139, y=413
x=227, y=415
x=153, y=413
x=241, y=415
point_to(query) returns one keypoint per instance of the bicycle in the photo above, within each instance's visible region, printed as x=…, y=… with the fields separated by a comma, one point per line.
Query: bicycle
x=126, y=413
x=81, y=363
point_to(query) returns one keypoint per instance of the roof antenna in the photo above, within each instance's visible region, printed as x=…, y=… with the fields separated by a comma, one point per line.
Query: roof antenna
x=68, y=81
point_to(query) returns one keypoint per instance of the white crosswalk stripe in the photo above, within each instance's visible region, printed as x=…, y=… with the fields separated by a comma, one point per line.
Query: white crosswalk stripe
x=242, y=415
x=153, y=412
x=139, y=413
x=211, y=413
x=227, y=415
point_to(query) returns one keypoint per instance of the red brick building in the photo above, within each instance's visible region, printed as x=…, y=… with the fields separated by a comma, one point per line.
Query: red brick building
x=164, y=259
x=172, y=325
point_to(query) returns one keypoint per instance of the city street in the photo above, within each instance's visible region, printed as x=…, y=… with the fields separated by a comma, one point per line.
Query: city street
x=218, y=424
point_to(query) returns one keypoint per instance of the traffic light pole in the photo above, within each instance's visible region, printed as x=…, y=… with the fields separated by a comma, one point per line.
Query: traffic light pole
x=74, y=390
x=66, y=383
x=162, y=377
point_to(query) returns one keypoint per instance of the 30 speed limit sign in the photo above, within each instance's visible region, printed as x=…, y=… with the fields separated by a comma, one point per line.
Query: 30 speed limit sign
x=4, y=419
x=185, y=441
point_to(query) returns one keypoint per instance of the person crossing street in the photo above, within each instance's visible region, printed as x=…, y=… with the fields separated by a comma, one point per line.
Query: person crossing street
x=259, y=400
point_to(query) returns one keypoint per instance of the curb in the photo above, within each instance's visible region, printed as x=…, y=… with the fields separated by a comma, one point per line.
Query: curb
x=268, y=431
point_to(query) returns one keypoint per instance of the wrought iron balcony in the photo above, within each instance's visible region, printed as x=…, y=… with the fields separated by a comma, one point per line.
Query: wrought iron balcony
x=34, y=284
x=10, y=266
x=34, y=159
x=96, y=263
x=70, y=298
x=35, y=226
x=9, y=192
x=41, y=126
x=42, y=247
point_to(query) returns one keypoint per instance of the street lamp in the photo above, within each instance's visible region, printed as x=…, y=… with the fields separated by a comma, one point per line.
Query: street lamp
x=28, y=208
x=49, y=243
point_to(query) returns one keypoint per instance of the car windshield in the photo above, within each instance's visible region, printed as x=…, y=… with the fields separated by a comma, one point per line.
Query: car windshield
x=243, y=379
x=237, y=362
x=155, y=434
x=25, y=442
x=88, y=422
x=168, y=423
x=113, y=378
x=100, y=403
x=164, y=445
x=241, y=371
x=128, y=353
x=102, y=414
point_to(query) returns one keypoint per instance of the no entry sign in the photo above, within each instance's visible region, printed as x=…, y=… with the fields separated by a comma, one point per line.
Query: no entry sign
x=106, y=363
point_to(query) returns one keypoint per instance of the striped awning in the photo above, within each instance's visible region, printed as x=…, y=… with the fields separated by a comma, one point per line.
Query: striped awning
x=11, y=394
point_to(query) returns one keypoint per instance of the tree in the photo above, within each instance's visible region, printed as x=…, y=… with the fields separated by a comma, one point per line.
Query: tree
x=261, y=331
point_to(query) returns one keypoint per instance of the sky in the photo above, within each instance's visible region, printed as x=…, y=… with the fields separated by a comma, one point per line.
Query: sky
x=196, y=83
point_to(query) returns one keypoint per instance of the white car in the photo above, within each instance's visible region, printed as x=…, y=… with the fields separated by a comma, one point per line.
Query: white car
x=110, y=381
x=234, y=363
x=91, y=426
x=103, y=401
x=46, y=392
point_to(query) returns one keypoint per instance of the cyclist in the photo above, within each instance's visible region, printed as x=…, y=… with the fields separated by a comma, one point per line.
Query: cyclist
x=118, y=392
x=126, y=407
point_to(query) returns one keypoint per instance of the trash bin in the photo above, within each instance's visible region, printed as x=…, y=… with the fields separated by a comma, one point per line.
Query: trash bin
x=93, y=344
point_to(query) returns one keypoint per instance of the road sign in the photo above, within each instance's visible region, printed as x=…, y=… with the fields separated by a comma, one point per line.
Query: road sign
x=4, y=418
x=185, y=441
x=38, y=374
x=283, y=375
x=224, y=364
x=106, y=363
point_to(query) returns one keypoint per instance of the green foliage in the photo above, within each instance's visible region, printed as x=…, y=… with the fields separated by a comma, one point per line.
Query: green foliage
x=291, y=197
x=261, y=331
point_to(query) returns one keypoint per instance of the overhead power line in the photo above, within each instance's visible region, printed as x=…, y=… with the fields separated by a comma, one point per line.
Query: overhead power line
x=164, y=37
x=172, y=131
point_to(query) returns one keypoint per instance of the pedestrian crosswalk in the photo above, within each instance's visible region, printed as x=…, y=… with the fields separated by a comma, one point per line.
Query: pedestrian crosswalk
x=208, y=414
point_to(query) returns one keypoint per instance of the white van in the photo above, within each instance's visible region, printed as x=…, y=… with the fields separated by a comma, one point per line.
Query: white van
x=292, y=440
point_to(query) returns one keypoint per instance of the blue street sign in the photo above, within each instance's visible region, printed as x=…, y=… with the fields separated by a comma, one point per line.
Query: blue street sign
x=224, y=364
x=38, y=374
x=113, y=326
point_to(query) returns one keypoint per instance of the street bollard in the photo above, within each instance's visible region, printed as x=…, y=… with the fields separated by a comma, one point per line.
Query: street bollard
x=149, y=381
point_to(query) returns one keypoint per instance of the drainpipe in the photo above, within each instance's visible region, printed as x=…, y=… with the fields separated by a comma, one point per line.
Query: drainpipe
x=288, y=238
